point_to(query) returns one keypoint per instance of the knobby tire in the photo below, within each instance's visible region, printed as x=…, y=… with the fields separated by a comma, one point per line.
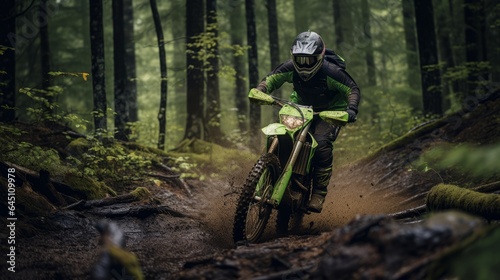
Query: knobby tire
x=246, y=202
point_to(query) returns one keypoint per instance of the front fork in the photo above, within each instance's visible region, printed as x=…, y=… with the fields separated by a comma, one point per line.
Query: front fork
x=286, y=174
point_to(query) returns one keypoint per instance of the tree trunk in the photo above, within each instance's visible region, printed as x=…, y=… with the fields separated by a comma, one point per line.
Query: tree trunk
x=493, y=38
x=301, y=18
x=427, y=48
x=272, y=21
x=475, y=45
x=343, y=28
x=237, y=26
x=7, y=61
x=45, y=49
x=337, y=23
x=253, y=68
x=195, y=80
x=213, y=93
x=411, y=44
x=370, y=59
x=98, y=70
x=443, y=20
x=178, y=92
x=493, y=35
x=130, y=65
x=121, y=100
x=162, y=114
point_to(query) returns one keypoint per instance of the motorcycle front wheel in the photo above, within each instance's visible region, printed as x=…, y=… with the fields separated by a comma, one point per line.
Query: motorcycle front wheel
x=253, y=208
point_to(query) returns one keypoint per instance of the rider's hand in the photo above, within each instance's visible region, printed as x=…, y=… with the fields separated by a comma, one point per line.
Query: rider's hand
x=352, y=115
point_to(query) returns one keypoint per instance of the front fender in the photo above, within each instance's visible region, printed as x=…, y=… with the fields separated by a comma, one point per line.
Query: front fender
x=274, y=129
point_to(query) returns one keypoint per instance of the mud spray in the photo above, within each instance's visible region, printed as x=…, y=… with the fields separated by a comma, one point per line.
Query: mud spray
x=348, y=196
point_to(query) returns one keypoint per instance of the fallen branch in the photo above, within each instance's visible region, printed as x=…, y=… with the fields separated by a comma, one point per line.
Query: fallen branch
x=175, y=180
x=162, y=176
x=41, y=182
x=488, y=188
x=142, y=211
x=409, y=213
x=135, y=195
x=414, y=198
x=286, y=274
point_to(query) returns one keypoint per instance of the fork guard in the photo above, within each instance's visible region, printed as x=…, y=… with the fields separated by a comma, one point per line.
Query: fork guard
x=274, y=129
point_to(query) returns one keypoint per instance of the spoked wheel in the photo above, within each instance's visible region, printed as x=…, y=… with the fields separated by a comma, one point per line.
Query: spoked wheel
x=253, y=209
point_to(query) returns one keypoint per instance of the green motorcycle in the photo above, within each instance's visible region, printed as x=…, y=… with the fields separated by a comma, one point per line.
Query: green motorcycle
x=282, y=177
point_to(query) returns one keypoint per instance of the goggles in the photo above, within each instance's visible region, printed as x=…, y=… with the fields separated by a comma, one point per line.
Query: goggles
x=306, y=61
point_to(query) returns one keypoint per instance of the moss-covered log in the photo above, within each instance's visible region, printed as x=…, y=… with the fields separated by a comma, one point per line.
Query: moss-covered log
x=445, y=196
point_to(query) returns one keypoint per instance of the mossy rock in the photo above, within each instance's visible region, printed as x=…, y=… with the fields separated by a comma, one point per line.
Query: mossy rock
x=141, y=193
x=84, y=187
x=78, y=146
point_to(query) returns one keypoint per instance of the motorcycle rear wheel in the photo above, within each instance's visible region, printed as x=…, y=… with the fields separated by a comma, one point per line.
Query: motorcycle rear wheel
x=253, y=209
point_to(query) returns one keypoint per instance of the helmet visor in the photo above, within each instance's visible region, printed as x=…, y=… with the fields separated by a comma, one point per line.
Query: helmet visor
x=306, y=61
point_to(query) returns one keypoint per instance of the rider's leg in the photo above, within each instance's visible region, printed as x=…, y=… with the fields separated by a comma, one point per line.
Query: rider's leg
x=325, y=134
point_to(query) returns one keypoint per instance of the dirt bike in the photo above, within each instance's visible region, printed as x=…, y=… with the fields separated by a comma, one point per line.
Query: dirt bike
x=282, y=177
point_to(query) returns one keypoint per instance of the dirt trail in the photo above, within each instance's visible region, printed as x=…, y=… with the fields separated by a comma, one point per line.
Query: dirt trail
x=67, y=246
x=164, y=243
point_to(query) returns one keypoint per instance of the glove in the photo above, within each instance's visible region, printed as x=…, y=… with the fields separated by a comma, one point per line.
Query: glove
x=352, y=115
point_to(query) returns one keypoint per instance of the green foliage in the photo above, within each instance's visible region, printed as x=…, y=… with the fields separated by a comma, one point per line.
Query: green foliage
x=480, y=162
x=462, y=72
x=43, y=108
x=205, y=44
x=384, y=116
x=10, y=129
x=83, y=74
x=32, y=157
x=106, y=162
x=196, y=157
x=479, y=260
x=2, y=51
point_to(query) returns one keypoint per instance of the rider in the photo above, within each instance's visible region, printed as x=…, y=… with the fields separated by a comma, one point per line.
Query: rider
x=324, y=85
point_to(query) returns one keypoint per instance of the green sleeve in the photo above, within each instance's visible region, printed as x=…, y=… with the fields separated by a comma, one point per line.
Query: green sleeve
x=295, y=98
x=275, y=81
x=340, y=99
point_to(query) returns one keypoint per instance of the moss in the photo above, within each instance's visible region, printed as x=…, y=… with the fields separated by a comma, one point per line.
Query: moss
x=141, y=193
x=146, y=149
x=406, y=139
x=445, y=196
x=84, y=187
x=127, y=259
x=78, y=146
x=35, y=158
x=28, y=203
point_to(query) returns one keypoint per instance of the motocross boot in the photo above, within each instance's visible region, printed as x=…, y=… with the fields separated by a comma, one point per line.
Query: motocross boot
x=320, y=183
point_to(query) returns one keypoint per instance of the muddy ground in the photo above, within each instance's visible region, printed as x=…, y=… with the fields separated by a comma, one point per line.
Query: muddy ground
x=64, y=245
x=163, y=243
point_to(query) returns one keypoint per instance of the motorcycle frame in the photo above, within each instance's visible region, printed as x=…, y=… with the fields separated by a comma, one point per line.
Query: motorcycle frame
x=273, y=131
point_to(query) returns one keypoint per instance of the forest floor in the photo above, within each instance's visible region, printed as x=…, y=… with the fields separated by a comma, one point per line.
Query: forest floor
x=196, y=243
